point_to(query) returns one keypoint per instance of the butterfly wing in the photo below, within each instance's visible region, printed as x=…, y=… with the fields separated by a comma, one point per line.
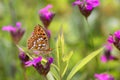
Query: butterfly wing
x=39, y=39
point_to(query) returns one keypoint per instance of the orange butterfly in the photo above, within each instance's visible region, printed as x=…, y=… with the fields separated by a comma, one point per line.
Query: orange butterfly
x=39, y=41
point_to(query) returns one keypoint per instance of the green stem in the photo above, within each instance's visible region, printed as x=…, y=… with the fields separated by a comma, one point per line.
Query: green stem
x=44, y=78
x=24, y=73
x=91, y=34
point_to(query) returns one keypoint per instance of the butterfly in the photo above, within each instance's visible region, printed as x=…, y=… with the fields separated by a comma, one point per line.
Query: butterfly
x=39, y=41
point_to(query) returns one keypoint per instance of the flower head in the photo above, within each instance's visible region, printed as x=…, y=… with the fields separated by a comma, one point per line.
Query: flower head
x=110, y=39
x=115, y=39
x=44, y=69
x=104, y=76
x=16, y=32
x=46, y=16
x=50, y=60
x=33, y=62
x=23, y=57
x=107, y=54
x=86, y=6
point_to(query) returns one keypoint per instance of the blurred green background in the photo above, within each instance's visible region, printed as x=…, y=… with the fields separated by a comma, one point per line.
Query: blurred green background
x=103, y=21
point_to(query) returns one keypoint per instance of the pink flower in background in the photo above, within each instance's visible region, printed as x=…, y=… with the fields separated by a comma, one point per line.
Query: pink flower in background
x=117, y=34
x=107, y=54
x=86, y=6
x=10, y=28
x=46, y=16
x=16, y=32
x=115, y=39
x=33, y=62
x=104, y=76
x=45, y=12
x=110, y=39
x=105, y=59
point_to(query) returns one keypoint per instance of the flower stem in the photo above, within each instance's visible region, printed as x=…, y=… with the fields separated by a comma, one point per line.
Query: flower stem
x=44, y=78
x=91, y=34
x=24, y=71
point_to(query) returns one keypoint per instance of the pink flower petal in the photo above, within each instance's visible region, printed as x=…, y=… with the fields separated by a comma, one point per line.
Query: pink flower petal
x=110, y=39
x=103, y=59
x=77, y=2
x=108, y=47
x=33, y=62
x=104, y=76
x=117, y=34
x=18, y=24
x=45, y=10
x=8, y=28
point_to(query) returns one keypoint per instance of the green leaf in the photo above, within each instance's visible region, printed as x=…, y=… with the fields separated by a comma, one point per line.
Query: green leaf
x=62, y=42
x=55, y=73
x=66, y=59
x=67, y=56
x=57, y=51
x=64, y=68
x=83, y=63
x=49, y=76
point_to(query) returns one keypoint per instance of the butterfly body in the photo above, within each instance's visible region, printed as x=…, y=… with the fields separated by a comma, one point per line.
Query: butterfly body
x=39, y=40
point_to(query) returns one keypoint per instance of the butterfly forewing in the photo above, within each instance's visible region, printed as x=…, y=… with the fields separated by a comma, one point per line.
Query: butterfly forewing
x=39, y=39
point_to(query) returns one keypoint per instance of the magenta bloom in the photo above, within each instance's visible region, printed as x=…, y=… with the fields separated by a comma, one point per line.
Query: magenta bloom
x=110, y=39
x=107, y=54
x=50, y=60
x=104, y=76
x=117, y=34
x=33, y=62
x=104, y=59
x=23, y=58
x=46, y=16
x=16, y=32
x=86, y=6
x=115, y=39
x=44, y=69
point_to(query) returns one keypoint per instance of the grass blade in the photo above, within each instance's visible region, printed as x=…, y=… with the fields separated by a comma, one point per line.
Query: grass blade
x=83, y=63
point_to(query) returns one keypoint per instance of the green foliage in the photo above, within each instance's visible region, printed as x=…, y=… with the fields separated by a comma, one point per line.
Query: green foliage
x=103, y=21
x=82, y=63
x=63, y=59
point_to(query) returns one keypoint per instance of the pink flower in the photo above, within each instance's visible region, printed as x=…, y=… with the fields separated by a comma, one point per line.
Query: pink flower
x=45, y=12
x=110, y=39
x=104, y=59
x=16, y=32
x=44, y=69
x=33, y=62
x=115, y=39
x=50, y=60
x=90, y=4
x=107, y=54
x=104, y=76
x=46, y=16
x=10, y=28
x=23, y=57
x=86, y=6
x=117, y=34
